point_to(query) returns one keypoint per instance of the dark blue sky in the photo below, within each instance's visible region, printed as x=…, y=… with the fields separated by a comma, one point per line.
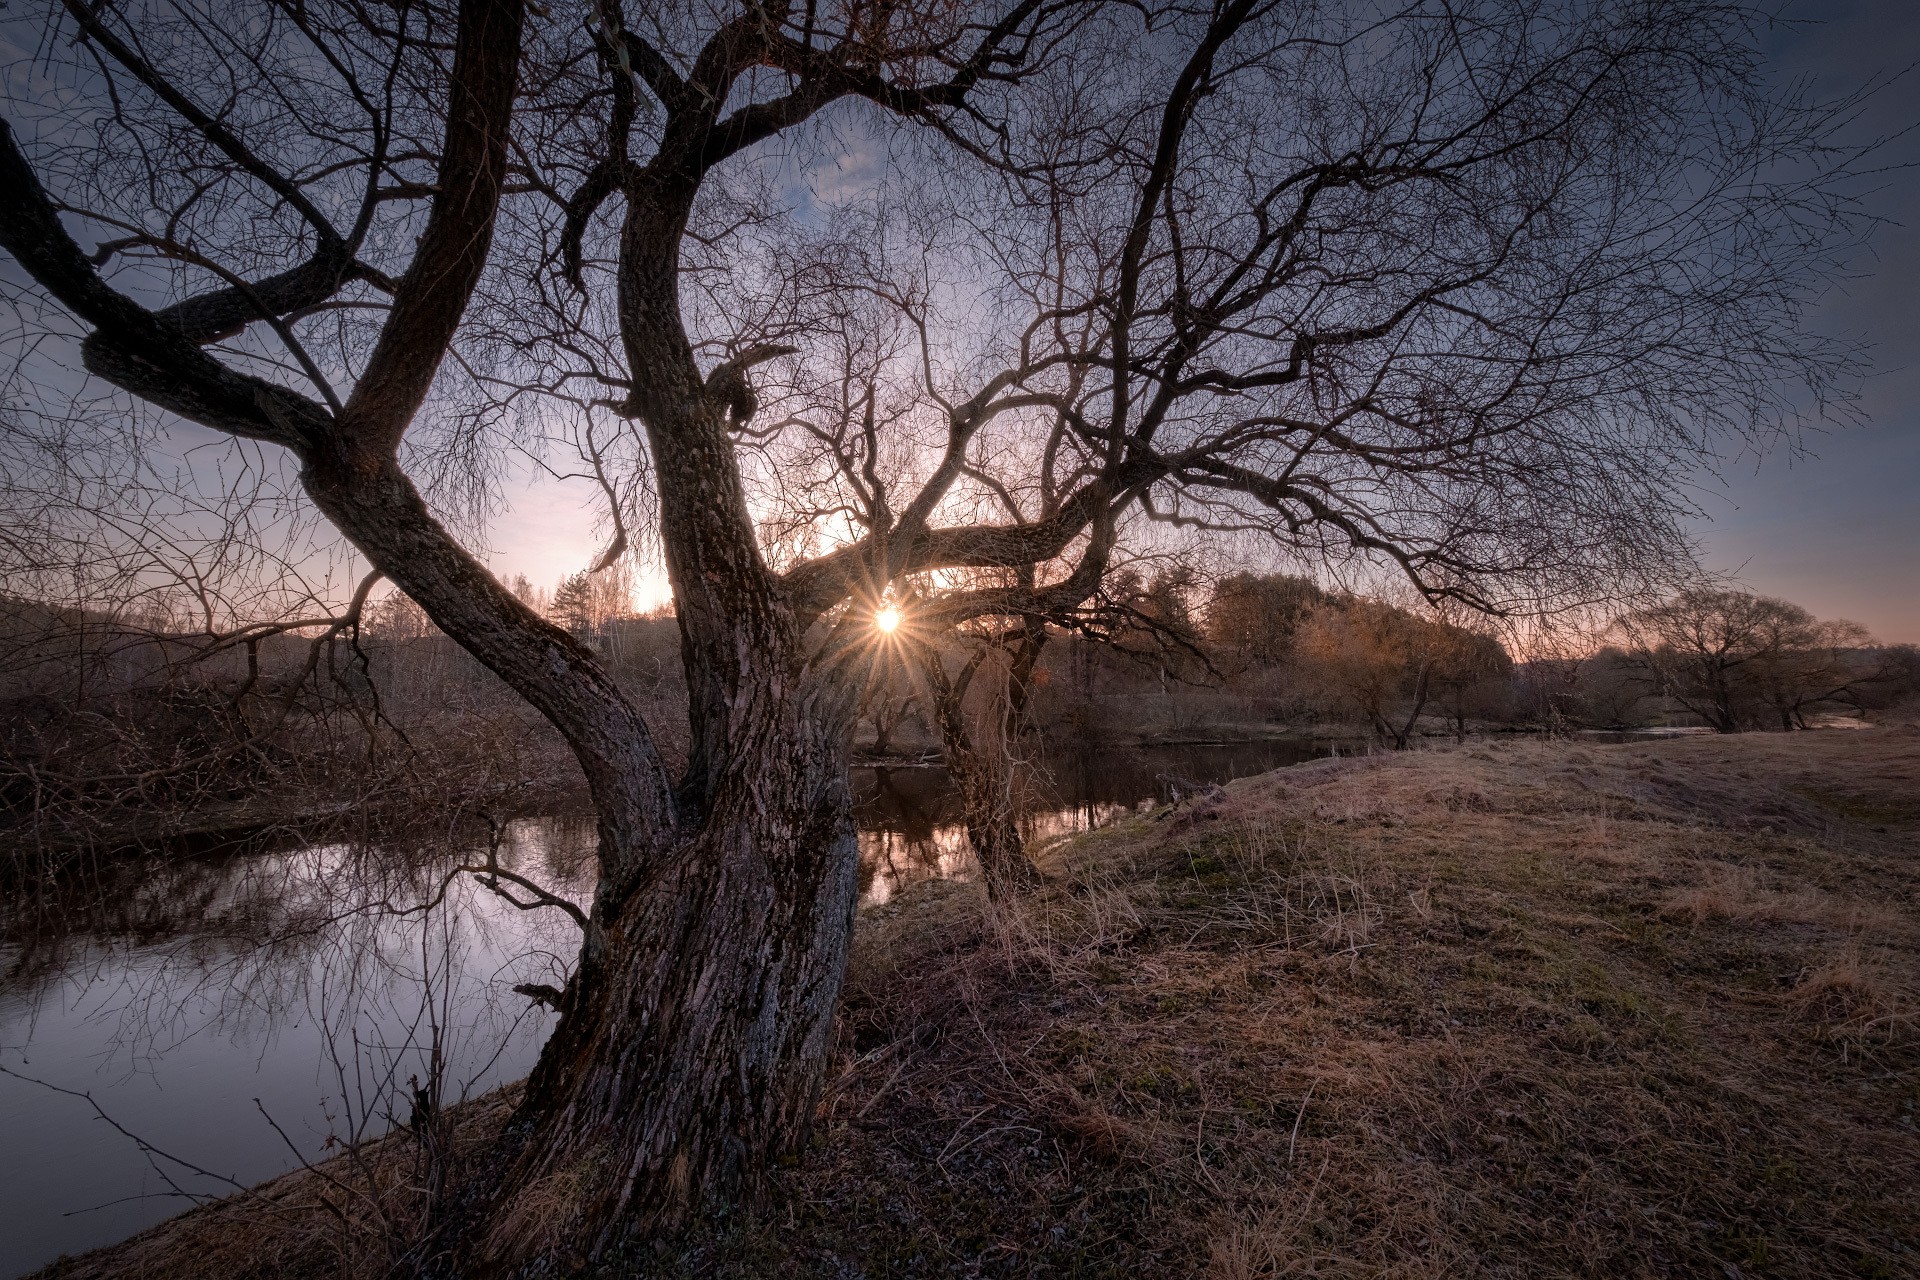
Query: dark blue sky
x=1838, y=529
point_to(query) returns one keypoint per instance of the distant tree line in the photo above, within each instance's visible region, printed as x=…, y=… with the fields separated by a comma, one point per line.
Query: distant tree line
x=1726, y=659
x=1736, y=660
x=1252, y=653
x=104, y=712
x=111, y=716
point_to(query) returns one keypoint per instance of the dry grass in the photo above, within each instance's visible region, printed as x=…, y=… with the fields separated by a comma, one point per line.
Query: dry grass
x=352, y=1216
x=1528, y=1009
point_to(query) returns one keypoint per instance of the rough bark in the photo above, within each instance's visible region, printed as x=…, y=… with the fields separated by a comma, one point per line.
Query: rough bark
x=695, y=1029
x=695, y=1032
x=981, y=764
x=693, y=1037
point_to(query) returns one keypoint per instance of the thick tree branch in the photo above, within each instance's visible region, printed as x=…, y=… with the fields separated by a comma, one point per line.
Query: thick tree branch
x=433, y=294
x=130, y=346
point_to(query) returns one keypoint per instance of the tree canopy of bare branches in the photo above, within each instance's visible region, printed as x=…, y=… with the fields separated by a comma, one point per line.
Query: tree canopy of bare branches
x=959, y=303
x=1735, y=658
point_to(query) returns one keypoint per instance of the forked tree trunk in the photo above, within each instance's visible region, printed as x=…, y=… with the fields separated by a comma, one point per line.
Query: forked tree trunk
x=696, y=1027
x=695, y=1030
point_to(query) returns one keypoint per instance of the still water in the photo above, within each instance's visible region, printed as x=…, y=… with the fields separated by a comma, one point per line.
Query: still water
x=174, y=1028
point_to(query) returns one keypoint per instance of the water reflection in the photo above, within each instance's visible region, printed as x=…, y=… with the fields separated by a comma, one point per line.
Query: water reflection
x=913, y=831
x=911, y=826
x=244, y=1012
x=248, y=1009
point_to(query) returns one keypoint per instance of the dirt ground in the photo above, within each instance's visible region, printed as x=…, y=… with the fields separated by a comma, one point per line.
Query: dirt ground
x=1521, y=1008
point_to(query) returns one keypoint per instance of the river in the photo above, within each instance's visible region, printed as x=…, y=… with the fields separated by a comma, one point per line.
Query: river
x=174, y=1027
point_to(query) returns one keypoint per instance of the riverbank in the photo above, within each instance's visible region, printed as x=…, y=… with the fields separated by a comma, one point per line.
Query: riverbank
x=376, y=804
x=441, y=791
x=1518, y=1008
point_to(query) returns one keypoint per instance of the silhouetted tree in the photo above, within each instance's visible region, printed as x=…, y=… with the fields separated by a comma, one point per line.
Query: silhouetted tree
x=1258, y=615
x=1466, y=289
x=1735, y=658
x=1470, y=673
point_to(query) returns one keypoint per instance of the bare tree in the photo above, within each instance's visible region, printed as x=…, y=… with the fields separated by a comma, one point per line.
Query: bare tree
x=1735, y=658
x=887, y=707
x=1806, y=663
x=981, y=745
x=1471, y=673
x=1379, y=661
x=1459, y=289
x=1606, y=689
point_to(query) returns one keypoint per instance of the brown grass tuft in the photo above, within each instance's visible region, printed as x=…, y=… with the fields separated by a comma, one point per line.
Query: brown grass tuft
x=349, y=1218
x=1857, y=995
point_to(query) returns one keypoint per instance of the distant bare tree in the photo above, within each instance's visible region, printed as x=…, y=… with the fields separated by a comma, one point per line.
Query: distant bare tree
x=887, y=703
x=1735, y=658
x=1470, y=674
x=1379, y=661
x=1460, y=289
x=1388, y=665
x=1898, y=670
x=981, y=744
x=1806, y=663
x=1609, y=690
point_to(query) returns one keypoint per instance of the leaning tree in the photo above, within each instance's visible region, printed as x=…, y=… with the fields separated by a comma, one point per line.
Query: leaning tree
x=944, y=306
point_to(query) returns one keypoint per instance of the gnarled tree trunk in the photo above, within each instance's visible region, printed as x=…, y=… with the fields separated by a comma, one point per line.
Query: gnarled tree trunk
x=696, y=1027
x=693, y=1036
x=981, y=760
x=694, y=1031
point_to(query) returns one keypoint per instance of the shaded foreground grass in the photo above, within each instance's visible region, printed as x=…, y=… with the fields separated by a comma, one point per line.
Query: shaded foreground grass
x=1520, y=1009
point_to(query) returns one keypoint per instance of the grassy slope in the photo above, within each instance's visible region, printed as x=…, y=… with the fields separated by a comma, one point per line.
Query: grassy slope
x=1520, y=1009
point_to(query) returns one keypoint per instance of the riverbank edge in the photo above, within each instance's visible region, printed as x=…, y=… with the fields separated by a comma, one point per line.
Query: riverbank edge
x=1681, y=858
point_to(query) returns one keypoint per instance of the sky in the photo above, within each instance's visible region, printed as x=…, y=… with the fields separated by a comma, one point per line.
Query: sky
x=1837, y=529
x=1833, y=525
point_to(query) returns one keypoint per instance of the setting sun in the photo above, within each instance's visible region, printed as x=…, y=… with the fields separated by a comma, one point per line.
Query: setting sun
x=1182, y=390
